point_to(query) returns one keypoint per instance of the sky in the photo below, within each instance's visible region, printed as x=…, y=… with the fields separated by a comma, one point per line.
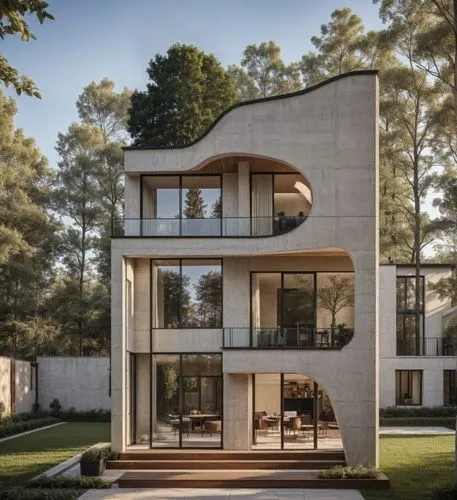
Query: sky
x=93, y=39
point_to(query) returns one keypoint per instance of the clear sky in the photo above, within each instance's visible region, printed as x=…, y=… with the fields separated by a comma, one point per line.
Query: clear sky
x=93, y=39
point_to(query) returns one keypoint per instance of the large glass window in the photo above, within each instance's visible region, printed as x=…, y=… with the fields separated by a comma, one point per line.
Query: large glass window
x=174, y=205
x=449, y=388
x=409, y=338
x=186, y=400
x=186, y=293
x=408, y=387
x=302, y=309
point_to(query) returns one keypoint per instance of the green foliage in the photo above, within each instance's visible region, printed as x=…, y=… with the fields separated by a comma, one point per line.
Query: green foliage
x=9, y=429
x=424, y=411
x=187, y=91
x=194, y=205
x=2, y=409
x=12, y=22
x=346, y=472
x=55, y=406
x=263, y=73
x=418, y=422
x=75, y=483
x=96, y=454
x=41, y=494
x=72, y=415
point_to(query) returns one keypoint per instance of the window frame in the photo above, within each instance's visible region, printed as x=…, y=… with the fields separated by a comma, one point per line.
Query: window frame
x=179, y=263
x=398, y=383
x=450, y=388
x=403, y=313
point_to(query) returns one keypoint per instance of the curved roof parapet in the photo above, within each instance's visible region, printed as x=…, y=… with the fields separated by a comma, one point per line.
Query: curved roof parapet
x=259, y=100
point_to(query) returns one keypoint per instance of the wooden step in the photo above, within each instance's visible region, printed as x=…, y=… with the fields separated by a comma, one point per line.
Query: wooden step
x=252, y=464
x=200, y=455
x=241, y=479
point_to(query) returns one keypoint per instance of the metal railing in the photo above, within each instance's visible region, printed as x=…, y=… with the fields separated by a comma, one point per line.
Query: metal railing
x=429, y=346
x=286, y=338
x=206, y=227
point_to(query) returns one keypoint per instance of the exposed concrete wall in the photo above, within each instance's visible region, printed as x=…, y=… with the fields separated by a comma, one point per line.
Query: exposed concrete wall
x=25, y=393
x=330, y=136
x=432, y=367
x=5, y=383
x=237, y=411
x=78, y=382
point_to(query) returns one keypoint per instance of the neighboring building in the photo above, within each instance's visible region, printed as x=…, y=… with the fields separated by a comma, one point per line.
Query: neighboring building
x=415, y=370
x=18, y=381
x=245, y=280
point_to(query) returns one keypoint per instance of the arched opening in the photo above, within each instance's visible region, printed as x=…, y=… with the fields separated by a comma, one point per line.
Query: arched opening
x=228, y=196
x=293, y=412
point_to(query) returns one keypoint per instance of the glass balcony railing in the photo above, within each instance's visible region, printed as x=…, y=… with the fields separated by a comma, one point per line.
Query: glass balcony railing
x=430, y=346
x=286, y=338
x=208, y=227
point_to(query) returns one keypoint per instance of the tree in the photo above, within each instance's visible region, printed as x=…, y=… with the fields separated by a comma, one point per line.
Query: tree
x=194, y=205
x=208, y=291
x=344, y=46
x=12, y=22
x=263, y=73
x=187, y=91
x=28, y=236
x=100, y=106
x=216, y=211
x=336, y=296
x=77, y=199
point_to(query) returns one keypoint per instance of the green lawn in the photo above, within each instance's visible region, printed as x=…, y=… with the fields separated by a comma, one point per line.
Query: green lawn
x=416, y=465
x=24, y=457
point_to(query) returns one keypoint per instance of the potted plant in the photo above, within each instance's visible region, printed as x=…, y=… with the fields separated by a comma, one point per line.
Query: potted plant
x=93, y=462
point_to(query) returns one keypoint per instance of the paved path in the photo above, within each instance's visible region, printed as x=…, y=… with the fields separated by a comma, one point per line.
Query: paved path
x=221, y=494
x=425, y=431
x=30, y=432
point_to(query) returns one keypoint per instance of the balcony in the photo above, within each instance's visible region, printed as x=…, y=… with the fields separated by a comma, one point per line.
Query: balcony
x=287, y=338
x=430, y=346
x=223, y=227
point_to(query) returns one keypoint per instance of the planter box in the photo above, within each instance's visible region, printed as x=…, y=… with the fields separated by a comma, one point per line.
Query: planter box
x=92, y=468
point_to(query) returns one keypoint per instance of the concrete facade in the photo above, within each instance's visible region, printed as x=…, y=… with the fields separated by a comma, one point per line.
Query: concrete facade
x=77, y=382
x=436, y=312
x=328, y=135
x=17, y=385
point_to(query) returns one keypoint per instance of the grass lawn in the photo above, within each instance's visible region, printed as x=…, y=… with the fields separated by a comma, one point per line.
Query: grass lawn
x=24, y=457
x=415, y=465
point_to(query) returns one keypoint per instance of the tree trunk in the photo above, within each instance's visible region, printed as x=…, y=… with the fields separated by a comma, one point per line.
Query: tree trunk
x=81, y=288
x=417, y=229
x=455, y=63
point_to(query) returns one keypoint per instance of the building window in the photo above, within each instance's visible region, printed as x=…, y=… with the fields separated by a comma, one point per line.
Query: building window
x=408, y=342
x=449, y=392
x=186, y=293
x=408, y=387
x=181, y=205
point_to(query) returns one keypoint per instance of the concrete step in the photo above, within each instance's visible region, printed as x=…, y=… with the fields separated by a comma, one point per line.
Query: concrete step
x=241, y=479
x=252, y=464
x=200, y=455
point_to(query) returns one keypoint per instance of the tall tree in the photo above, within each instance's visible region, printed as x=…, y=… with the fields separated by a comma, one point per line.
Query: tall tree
x=28, y=237
x=208, y=292
x=187, y=91
x=263, y=73
x=77, y=200
x=12, y=22
x=344, y=46
x=194, y=205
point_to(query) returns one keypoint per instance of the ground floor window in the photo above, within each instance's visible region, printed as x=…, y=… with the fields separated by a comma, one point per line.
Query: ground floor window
x=178, y=400
x=449, y=392
x=408, y=387
x=292, y=412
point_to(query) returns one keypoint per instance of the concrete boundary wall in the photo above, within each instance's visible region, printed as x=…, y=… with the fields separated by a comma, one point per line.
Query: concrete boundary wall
x=77, y=382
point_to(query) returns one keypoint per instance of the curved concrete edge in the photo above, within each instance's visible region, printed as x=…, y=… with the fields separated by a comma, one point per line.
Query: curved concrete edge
x=30, y=432
x=66, y=464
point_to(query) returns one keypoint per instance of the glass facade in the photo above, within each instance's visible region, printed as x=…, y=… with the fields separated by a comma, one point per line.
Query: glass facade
x=409, y=338
x=186, y=293
x=449, y=388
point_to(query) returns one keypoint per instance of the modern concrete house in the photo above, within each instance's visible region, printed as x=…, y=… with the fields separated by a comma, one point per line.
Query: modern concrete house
x=245, y=281
x=415, y=370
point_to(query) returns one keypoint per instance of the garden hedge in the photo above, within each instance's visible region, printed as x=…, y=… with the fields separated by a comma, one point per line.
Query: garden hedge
x=435, y=411
x=40, y=494
x=9, y=429
x=75, y=483
x=418, y=422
